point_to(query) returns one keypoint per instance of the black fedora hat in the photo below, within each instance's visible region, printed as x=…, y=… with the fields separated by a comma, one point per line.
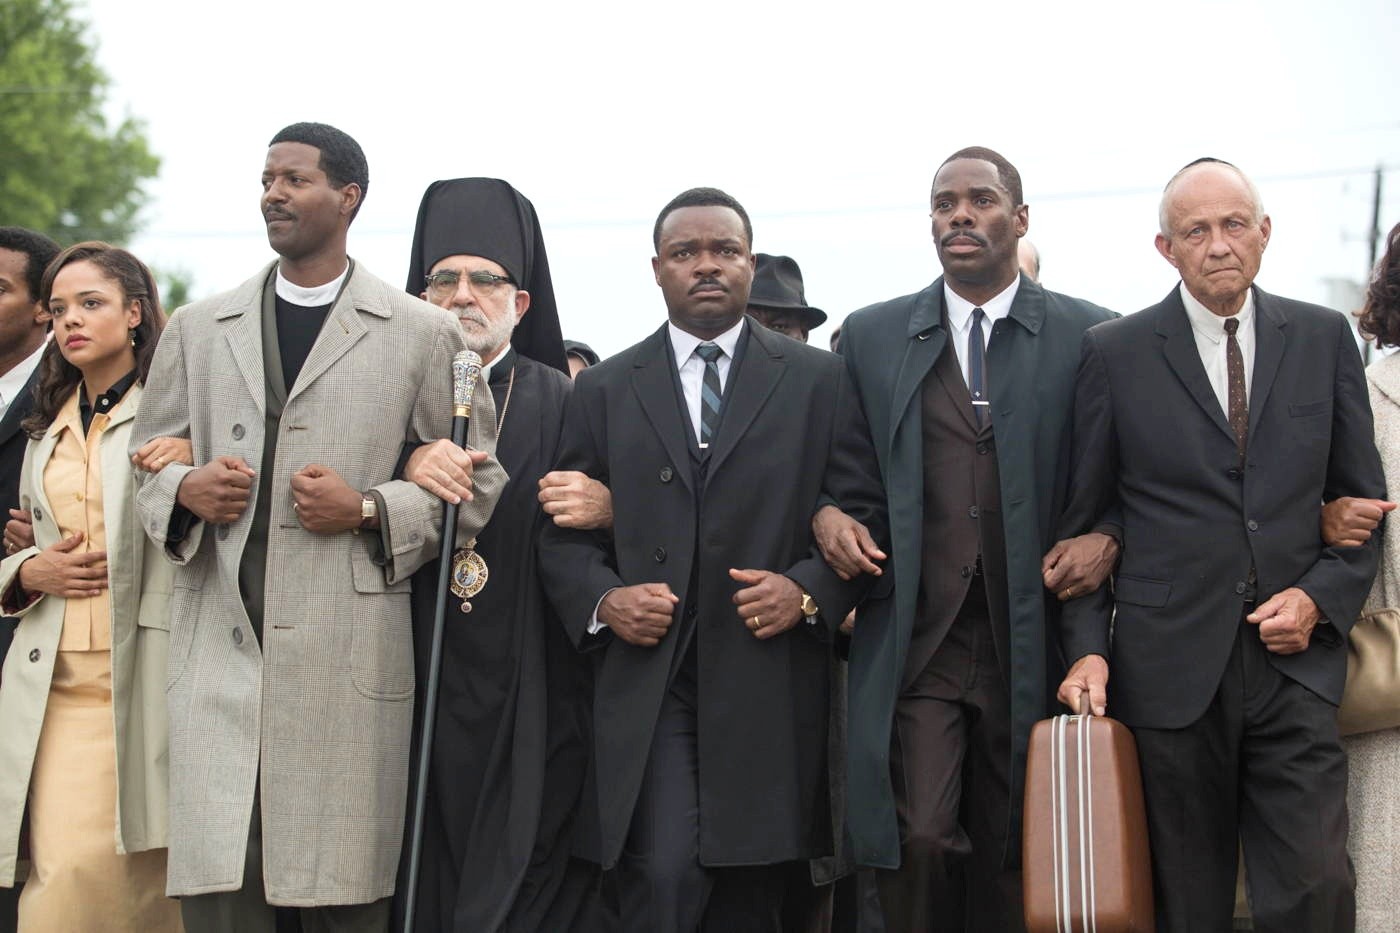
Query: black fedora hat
x=777, y=286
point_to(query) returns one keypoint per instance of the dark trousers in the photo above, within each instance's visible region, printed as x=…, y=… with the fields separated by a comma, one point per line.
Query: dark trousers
x=660, y=885
x=950, y=758
x=247, y=911
x=1263, y=766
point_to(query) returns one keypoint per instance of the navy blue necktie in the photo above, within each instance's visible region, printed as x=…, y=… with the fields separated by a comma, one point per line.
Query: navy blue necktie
x=710, y=394
x=977, y=369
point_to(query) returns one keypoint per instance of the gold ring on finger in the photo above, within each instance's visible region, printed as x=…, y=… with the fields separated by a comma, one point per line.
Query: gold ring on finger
x=1066, y=593
x=755, y=624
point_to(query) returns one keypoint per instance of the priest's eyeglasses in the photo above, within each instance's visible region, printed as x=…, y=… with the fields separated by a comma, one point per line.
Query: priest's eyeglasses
x=483, y=284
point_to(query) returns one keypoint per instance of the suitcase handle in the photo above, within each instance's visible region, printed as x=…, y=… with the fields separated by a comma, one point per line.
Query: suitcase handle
x=1082, y=706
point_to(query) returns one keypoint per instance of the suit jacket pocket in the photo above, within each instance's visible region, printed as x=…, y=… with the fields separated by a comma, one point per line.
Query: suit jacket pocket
x=1303, y=409
x=369, y=577
x=1141, y=592
x=154, y=611
x=381, y=650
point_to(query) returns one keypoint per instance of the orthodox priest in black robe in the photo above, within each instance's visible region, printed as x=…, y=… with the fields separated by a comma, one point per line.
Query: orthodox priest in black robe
x=510, y=747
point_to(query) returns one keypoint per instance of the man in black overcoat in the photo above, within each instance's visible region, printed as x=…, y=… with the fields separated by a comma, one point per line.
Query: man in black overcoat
x=710, y=604
x=968, y=387
x=1221, y=418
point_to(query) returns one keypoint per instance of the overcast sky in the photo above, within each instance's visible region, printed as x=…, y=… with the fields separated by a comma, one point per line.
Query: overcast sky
x=825, y=120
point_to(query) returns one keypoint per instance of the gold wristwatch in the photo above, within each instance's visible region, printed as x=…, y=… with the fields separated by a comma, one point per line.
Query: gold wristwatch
x=809, y=605
x=368, y=511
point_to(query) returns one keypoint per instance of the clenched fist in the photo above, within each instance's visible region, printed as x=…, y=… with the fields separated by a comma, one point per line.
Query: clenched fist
x=219, y=491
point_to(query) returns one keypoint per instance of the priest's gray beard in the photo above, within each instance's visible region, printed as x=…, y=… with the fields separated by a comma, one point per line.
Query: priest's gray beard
x=487, y=335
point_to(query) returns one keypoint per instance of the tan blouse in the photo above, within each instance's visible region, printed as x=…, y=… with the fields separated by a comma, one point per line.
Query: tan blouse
x=73, y=484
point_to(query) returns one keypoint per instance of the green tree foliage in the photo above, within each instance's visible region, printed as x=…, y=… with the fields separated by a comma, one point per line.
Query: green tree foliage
x=175, y=286
x=63, y=170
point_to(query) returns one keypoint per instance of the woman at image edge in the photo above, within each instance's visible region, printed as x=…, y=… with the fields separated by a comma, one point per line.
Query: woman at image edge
x=82, y=696
x=1373, y=791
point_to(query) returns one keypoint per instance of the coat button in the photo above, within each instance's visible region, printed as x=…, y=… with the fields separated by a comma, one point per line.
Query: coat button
x=238, y=636
x=34, y=655
x=966, y=572
x=666, y=474
x=982, y=447
x=1240, y=588
x=1252, y=525
x=1234, y=473
x=38, y=514
x=222, y=533
x=238, y=432
x=660, y=555
x=972, y=512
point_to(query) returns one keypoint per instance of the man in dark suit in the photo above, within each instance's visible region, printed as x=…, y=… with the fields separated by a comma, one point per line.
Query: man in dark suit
x=710, y=605
x=968, y=387
x=1220, y=419
x=23, y=327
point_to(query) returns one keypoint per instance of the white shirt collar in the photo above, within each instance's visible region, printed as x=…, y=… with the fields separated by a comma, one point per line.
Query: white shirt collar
x=684, y=344
x=12, y=382
x=960, y=309
x=1211, y=325
x=313, y=297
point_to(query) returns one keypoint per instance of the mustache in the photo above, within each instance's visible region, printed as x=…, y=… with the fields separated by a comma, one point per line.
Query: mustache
x=276, y=213
x=708, y=282
x=977, y=238
x=474, y=315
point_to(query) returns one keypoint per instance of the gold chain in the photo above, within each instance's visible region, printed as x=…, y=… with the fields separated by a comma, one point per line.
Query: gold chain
x=505, y=406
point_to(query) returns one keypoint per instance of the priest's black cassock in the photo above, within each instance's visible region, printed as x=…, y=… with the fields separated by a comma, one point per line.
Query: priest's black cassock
x=510, y=747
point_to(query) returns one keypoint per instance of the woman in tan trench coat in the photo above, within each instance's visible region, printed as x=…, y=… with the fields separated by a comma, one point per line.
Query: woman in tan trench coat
x=82, y=696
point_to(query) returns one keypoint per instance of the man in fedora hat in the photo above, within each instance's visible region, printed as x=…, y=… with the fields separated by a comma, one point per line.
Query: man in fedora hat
x=777, y=300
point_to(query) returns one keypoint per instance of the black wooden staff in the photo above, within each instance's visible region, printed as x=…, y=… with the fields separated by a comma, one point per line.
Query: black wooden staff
x=466, y=369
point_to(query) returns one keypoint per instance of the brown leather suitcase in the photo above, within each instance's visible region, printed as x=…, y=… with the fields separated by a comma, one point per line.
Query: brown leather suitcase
x=1086, y=867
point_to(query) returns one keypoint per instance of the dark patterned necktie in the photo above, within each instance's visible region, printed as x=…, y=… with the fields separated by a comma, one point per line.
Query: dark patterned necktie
x=1234, y=367
x=710, y=394
x=977, y=368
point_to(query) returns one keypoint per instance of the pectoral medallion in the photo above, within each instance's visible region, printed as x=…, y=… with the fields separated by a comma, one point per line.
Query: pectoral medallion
x=469, y=574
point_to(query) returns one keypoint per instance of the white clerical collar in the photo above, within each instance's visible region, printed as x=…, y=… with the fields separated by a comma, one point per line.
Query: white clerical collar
x=314, y=297
x=1210, y=325
x=960, y=309
x=487, y=367
x=684, y=344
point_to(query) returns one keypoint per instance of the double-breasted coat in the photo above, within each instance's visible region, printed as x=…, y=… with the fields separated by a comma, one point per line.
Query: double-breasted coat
x=139, y=580
x=318, y=715
x=791, y=432
x=890, y=349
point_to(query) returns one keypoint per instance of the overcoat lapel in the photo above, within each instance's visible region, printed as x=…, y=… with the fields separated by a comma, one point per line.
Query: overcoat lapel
x=1014, y=356
x=1179, y=347
x=1269, y=322
x=115, y=469
x=927, y=337
x=653, y=384
x=762, y=369
x=342, y=330
x=244, y=335
x=42, y=452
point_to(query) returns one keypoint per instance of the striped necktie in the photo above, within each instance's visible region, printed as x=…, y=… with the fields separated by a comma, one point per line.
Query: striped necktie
x=710, y=394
